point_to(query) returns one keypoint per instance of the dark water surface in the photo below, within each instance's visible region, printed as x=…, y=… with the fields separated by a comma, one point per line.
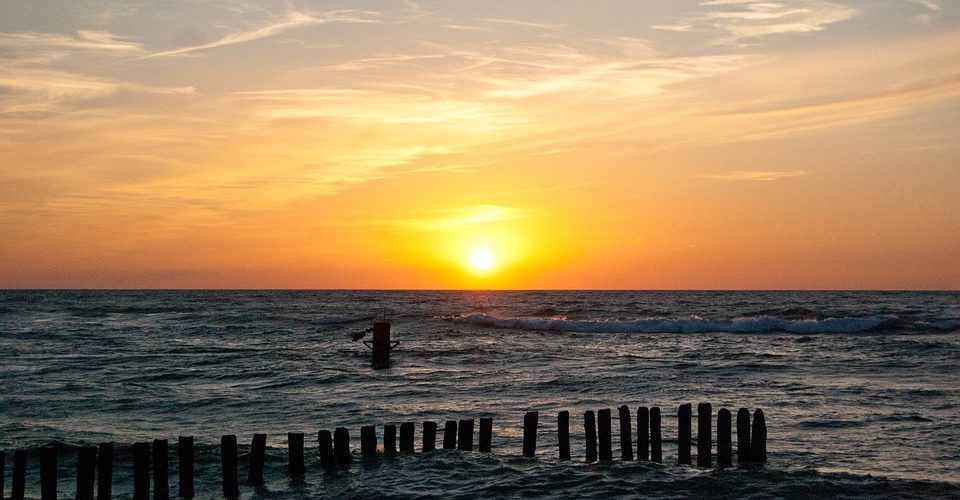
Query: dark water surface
x=861, y=390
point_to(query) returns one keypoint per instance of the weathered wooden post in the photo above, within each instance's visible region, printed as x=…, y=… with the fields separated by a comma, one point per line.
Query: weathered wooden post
x=429, y=437
x=368, y=442
x=341, y=446
x=743, y=436
x=563, y=434
x=450, y=435
x=643, y=433
x=590, y=434
x=86, y=470
x=19, y=480
x=684, y=415
x=185, y=466
x=228, y=466
x=141, y=471
x=390, y=440
x=325, y=442
x=626, y=439
x=3, y=472
x=604, y=432
x=258, y=455
x=295, y=465
x=406, y=437
x=758, y=438
x=105, y=471
x=48, y=473
x=486, y=434
x=530, y=422
x=465, y=435
x=656, y=443
x=161, y=478
x=704, y=435
x=381, y=345
x=724, y=441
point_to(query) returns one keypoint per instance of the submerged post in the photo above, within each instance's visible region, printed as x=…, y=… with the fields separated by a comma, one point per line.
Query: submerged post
x=626, y=439
x=258, y=455
x=185, y=459
x=368, y=442
x=604, y=432
x=684, y=414
x=228, y=466
x=86, y=469
x=758, y=438
x=161, y=478
x=19, y=482
x=390, y=440
x=656, y=445
x=563, y=434
x=105, y=471
x=486, y=434
x=48, y=473
x=141, y=471
x=743, y=436
x=704, y=435
x=590, y=434
x=450, y=435
x=724, y=441
x=381, y=345
x=429, y=437
x=530, y=421
x=465, y=435
x=325, y=442
x=406, y=437
x=295, y=465
x=643, y=433
x=341, y=446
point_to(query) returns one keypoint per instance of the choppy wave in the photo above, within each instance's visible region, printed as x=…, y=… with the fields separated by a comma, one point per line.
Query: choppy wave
x=761, y=324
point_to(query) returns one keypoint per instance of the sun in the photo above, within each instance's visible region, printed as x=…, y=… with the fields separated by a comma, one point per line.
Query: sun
x=482, y=258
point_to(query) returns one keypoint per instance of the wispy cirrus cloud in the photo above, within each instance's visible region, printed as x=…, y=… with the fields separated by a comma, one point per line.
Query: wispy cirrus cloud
x=754, y=175
x=454, y=219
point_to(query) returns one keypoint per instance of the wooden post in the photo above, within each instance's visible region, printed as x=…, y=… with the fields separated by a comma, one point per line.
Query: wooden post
x=704, y=435
x=486, y=434
x=368, y=442
x=724, y=441
x=341, y=446
x=48, y=473
x=105, y=471
x=86, y=470
x=590, y=434
x=604, y=433
x=406, y=437
x=295, y=465
x=758, y=438
x=325, y=441
x=743, y=436
x=381, y=346
x=390, y=440
x=643, y=433
x=429, y=437
x=656, y=445
x=161, y=478
x=563, y=434
x=465, y=435
x=626, y=438
x=141, y=471
x=258, y=455
x=530, y=421
x=3, y=472
x=228, y=466
x=684, y=415
x=19, y=480
x=185, y=466
x=450, y=435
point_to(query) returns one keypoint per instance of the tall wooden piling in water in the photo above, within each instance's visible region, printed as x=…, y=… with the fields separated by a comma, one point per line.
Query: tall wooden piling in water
x=604, y=434
x=3, y=472
x=185, y=466
x=295, y=465
x=381, y=346
x=590, y=435
x=656, y=444
x=325, y=442
x=86, y=471
x=486, y=434
x=724, y=440
x=704, y=435
x=684, y=415
x=450, y=435
x=341, y=446
x=465, y=435
x=19, y=479
x=258, y=455
x=228, y=466
x=563, y=434
x=48, y=473
x=743, y=436
x=530, y=424
x=161, y=478
x=141, y=471
x=643, y=433
x=406, y=437
x=105, y=471
x=758, y=438
x=368, y=442
x=390, y=440
x=429, y=442
x=626, y=438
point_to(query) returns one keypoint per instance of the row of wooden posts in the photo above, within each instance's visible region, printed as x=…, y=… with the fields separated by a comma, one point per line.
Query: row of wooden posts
x=334, y=450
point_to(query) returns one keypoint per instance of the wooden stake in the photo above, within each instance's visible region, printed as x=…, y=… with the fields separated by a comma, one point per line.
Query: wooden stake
x=341, y=446
x=724, y=441
x=465, y=435
x=105, y=471
x=161, y=470
x=758, y=438
x=643, y=433
x=530, y=421
x=390, y=440
x=19, y=480
x=604, y=432
x=743, y=436
x=590, y=434
x=295, y=465
x=368, y=442
x=450, y=435
x=185, y=459
x=626, y=439
x=86, y=471
x=325, y=442
x=486, y=434
x=656, y=446
x=141, y=471
x=684, y=414
x=228, y=466
x=406, y=437
x=704, y=435
x=258, y=455
x=563, y=434
x=429, y=437
x=3, y=471
x=48, y=473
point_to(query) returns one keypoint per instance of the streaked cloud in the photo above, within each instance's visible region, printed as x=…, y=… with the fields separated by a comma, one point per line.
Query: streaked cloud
x=455, y=219
x=754, y=175
x=740, y=21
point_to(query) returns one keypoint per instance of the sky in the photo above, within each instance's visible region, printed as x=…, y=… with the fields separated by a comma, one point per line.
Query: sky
x=608, y=144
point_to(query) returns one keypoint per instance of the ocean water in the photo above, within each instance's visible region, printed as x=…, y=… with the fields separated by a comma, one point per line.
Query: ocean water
x=861, y=390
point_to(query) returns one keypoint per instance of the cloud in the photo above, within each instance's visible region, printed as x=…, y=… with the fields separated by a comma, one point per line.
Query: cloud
x=933, y=5
x=754, y=175
x=451, y=220
x=741, y=20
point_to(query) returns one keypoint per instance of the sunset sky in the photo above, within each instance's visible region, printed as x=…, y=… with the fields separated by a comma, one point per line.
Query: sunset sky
x=724, y=144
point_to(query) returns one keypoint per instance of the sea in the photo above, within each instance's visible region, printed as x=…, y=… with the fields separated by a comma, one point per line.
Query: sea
x=860, y=390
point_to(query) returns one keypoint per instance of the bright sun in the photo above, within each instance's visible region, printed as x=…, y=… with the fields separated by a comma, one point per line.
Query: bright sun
x=482, y=258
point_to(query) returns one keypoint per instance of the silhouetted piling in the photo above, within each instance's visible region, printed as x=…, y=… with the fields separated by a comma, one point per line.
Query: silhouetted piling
x=381, y=346
x=48, y=473
x=19, y=479
x=105, y=471
x=643, y=433
x=228, y=466
x=295, y=465
x=530, y=422
x=406, y=437
x=758, y=438
x=465, y=435
x=390, y=440
x=656, y=442
x=684, y=414
x=368, y=442
x=704, y=435
x=341, y=446
x=3, y=472
x=185, y=466
x=450, y=435
x=258, y=455
x=590, y=435
x=563, y=434
x=724, y=441
x=626, y=438
x=743, y=436
x=86, y=468
x=141, y=471
x=161, y=478
x=604, y=433
x=486, y=434
x=325, y=442
x=429, y=442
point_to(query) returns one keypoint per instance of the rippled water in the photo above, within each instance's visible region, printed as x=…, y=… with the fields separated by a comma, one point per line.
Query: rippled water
x=860, y=390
